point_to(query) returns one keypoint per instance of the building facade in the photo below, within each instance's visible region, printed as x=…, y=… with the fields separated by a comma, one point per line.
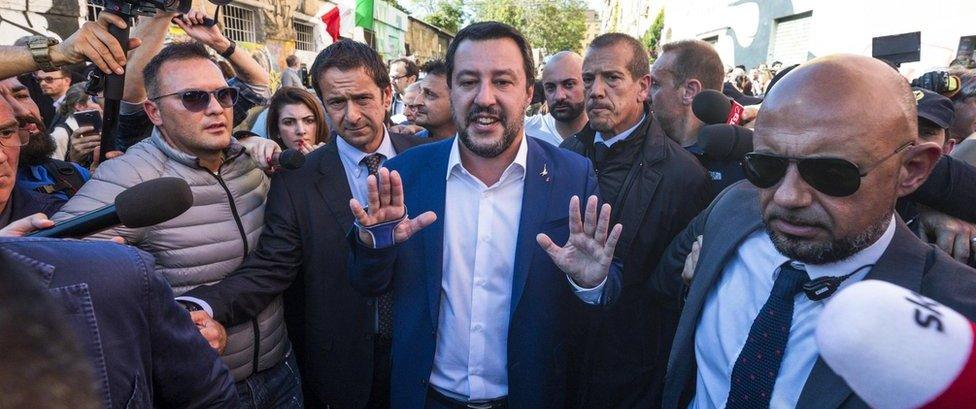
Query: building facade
x=425, y=41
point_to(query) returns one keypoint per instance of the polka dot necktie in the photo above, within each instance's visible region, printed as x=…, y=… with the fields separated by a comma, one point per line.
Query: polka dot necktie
x=755, y=370
x=384, y=303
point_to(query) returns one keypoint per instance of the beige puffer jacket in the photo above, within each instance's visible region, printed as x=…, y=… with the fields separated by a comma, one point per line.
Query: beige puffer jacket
x=204, y=244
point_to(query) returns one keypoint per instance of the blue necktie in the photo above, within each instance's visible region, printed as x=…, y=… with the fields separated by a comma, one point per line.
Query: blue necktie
x=755, y=370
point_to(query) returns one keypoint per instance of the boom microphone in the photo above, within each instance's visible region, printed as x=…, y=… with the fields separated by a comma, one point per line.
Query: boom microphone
x=146, y=204
x=725, y=142
x=897, y=349
x=713, y=107
x=289, y=159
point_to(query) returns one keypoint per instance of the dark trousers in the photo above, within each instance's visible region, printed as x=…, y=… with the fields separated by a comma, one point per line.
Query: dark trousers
x=278, y=387
x=379, y=393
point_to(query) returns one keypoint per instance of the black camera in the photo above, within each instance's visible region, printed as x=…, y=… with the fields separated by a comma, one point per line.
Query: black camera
x=939, y=82
x=143, y=7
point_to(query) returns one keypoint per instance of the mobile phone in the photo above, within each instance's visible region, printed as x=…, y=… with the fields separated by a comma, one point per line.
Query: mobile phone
x=91, y=118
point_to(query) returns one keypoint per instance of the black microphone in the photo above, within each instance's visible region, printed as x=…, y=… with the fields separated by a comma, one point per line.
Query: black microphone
x=146, y=204
x=725, y=142
x=713, y=107
x=289, y=159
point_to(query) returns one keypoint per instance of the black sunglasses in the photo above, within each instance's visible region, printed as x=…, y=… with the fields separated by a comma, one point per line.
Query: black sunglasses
x=195, y=100
x=832, y=176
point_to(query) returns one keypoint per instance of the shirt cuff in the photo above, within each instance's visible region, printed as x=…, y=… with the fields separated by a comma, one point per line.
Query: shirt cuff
x=588, y=295
x=201, y=303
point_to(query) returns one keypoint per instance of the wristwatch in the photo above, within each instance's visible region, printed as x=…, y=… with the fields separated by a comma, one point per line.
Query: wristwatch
x=40, y=49
x=230, y=50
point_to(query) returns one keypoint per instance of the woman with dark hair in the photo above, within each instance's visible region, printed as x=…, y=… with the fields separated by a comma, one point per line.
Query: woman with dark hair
x=296, y=120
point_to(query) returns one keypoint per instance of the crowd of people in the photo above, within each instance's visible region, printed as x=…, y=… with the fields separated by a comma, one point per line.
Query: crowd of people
x=450, y=244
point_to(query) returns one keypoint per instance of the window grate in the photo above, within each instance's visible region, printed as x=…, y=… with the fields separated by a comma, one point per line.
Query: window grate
x=93, y=10
x=239, y=24
x=303, y=36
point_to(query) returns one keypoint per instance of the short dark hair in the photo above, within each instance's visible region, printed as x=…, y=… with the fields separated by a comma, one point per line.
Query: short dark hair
x=346, y=55
x=409, y=66
x=181, y=51
x=492, y=30
x=927, y=128
x=696, y=59
x=435, y=67
x=291, y=60
x=639, y=64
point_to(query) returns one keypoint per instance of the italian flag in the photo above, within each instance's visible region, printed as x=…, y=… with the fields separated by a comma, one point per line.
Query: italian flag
x=341, y=19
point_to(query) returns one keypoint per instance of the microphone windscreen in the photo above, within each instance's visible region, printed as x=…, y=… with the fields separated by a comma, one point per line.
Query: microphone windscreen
x=725, y=142
x=893, y=347
x=291, y=159
x=711, y=107
x=153, y=202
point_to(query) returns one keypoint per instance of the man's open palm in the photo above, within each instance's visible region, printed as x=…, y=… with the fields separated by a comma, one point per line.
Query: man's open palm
x=587, y=255
x=384, y=196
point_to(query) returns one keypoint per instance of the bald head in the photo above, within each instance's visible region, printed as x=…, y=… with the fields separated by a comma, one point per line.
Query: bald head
x=845, y=120
x=843, y=90
x=562, y=81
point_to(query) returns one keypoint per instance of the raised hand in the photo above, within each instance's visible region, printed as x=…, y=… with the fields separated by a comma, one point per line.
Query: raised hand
x=193, y=24
x=384, y=195
x=587, y=255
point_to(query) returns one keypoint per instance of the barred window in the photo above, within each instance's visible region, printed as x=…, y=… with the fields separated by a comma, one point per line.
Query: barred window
x=303, y=36
x=239, y=24
x=93, y=10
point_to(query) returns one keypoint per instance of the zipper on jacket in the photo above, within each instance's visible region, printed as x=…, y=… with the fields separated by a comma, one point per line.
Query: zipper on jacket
x=240, y=228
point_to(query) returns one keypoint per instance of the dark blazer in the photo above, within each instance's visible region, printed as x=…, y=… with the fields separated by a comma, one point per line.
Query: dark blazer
x=733, y=216
x=628, y=346
x=544, y=313
x=303, y=246
x=145, y=350
x=25, y=202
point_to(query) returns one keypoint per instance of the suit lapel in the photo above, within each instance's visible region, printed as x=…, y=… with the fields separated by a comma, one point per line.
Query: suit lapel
x=903, y=264
x=430, y=197
x=333, y=186
x=535, y=201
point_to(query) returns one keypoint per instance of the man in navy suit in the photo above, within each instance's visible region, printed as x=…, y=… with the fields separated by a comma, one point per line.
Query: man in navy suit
x=481, y=316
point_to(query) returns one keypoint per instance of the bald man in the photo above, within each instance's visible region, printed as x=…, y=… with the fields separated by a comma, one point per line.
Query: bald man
x=827, y=170
x=562, y=81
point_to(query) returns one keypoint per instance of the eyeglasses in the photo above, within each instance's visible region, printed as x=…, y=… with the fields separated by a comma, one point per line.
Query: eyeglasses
x=832, y=176
x=195, y=100
x=12, y=137
x=394, y=78
x=48, y=80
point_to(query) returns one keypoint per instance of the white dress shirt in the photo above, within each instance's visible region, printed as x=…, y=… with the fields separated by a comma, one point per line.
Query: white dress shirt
x=481, y=226
x=619, y=137
x=543, y=127
x=733, y=304
x=357, y=172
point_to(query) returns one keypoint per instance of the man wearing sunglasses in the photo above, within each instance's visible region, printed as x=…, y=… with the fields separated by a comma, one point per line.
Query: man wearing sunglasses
x=818, y=214
x=191, y=106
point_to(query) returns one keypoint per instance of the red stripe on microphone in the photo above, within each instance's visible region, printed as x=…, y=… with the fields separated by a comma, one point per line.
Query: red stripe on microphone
x=962, y=392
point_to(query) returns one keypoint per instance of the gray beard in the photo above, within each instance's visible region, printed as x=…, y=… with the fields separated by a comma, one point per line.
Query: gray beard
x=832, y=251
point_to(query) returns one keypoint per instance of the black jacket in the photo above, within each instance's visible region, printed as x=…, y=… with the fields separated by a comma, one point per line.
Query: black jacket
x=731, y=218
x=303, y=247
x=628, y=347
x=144, y=349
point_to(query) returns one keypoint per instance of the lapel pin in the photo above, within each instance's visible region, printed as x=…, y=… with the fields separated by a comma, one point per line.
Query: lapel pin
x=545, y=172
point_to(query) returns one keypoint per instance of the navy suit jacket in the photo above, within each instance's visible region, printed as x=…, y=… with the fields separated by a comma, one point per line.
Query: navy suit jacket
x=144, y=349
x=545, y=312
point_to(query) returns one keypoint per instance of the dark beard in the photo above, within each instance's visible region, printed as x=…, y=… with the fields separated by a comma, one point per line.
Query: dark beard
x=39, y=149
x=575, y=110
x=831, y=251
x=494, y=149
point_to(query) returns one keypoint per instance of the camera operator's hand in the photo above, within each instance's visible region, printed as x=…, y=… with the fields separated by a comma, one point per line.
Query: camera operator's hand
x=82, y=143
x=261, y=150
x=93, y=42
x=29, y=224
x=192, y=23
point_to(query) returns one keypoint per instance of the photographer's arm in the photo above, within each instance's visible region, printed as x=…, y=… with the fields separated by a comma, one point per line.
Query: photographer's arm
x=152, y=31
x=248, y=70
x=91, y=42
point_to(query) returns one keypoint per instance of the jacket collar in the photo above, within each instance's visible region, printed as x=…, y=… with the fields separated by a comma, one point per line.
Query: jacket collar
x=232, y=152
x=15, y=263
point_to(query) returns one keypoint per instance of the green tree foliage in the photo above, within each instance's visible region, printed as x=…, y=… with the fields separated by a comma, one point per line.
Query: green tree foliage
x=446, y=14
x=554, y=25
x=652, y=37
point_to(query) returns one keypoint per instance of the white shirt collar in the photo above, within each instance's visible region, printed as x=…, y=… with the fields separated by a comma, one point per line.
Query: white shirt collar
x=868, y=256
x=623, y=135
x=454, y=160
x=354, y=155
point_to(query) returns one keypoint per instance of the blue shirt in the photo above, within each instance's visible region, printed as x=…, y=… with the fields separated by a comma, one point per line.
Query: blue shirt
x=734, y=302
x=723, y=173
x=32, y=177
x=357, y=172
